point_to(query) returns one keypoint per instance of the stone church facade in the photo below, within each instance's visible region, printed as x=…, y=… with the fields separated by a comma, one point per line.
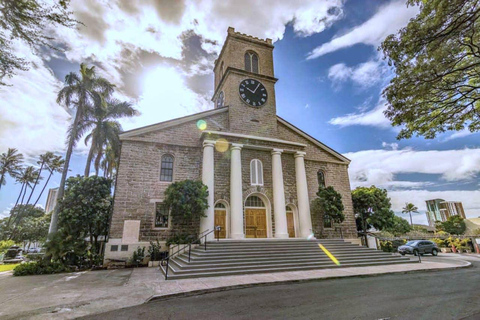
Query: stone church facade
x=262, y=172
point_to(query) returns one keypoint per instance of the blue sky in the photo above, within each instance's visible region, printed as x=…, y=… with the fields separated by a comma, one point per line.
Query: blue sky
x=160, y=56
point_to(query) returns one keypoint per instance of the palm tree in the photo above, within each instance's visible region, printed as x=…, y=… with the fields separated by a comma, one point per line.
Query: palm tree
x=105, y=129
x=10, y=164
x=109, y=163
x=54, y=165
x=80, y=94
x=26, y=177
x=409, y=208
x=44, y=159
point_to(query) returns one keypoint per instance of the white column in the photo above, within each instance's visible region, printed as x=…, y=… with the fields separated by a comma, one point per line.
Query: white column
x=302, y=196
x=279, y=212
x=206, y=223
x=236, y=193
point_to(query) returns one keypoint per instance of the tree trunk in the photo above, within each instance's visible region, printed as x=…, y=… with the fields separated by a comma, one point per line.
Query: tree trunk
x=89, y=159
x=97, y=161
x=24, y=193
x=61, y=189
x=411, y=221
x=43, y=189
x=16, y=203
x=2, y=177
x=36, y=182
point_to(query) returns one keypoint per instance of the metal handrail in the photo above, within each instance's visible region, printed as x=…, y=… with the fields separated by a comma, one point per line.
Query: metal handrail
x=167, y=259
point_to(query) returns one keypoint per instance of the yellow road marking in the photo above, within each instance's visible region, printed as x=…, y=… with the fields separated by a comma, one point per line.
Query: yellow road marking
x=331, y=256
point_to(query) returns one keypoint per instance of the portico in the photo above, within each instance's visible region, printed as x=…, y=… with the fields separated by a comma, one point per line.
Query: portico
x=269, y=220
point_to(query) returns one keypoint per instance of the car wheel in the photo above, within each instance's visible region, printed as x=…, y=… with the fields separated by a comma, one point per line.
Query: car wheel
x=415, y=252
x=402, y=253
x=435, y=252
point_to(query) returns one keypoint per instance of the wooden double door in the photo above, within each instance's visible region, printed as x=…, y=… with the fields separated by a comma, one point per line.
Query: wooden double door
x=255, y=223
x=290, y=224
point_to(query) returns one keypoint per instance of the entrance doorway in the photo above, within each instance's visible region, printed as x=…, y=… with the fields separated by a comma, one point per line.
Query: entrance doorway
x=290, y=222
x=220, y=220
x=255, y=218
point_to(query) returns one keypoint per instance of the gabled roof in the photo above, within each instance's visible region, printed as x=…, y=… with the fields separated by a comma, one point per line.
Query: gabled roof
x=314, y=141
x=171, y=123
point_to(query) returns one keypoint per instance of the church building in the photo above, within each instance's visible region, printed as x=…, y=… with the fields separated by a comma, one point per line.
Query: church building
x=261, y=171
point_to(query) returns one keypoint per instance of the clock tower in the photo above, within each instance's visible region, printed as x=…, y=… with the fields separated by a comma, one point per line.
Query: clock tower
x=245, y=82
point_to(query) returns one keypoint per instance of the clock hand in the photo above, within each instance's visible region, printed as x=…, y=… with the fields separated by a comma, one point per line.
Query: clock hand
x=256, y=88
x=250, y=90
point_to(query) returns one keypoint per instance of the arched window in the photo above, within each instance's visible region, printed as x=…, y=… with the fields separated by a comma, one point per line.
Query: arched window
x=251, y=62
x=321, y=178
x=256, y=172
x=254, y=201
x=166, y=168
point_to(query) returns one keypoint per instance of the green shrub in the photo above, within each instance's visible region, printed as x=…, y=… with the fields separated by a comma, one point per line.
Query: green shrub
x=137, y=257
x=440, y=242
x=39, y=267
x=155, y=251
x=35, y=256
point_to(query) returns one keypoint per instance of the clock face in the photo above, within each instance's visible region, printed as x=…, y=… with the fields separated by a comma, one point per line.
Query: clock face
x=220, y=100
x=253, y=92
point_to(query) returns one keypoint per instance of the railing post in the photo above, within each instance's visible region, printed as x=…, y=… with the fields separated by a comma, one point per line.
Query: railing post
x=205, y=241
x=189, y=250
x=166, y=270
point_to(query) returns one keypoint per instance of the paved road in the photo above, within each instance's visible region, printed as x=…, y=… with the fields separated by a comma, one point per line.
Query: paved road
x=453, y=294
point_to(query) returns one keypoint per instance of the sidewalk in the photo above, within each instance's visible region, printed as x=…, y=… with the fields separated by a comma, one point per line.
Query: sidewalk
x=67, y=296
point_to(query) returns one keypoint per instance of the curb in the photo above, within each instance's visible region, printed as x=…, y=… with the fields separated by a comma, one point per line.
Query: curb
x=155, y=298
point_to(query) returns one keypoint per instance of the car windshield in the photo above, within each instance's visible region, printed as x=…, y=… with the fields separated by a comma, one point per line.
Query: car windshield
x=411, y=243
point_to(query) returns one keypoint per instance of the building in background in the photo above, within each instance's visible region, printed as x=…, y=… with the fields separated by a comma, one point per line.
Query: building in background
x=441, y=210
x=452, y=208
x=51, y=200
x=433, y=211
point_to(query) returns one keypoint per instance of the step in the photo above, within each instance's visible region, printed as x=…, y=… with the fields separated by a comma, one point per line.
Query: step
x=246, y=264
x=173, y=275
x=224, y=253
x=184, y=258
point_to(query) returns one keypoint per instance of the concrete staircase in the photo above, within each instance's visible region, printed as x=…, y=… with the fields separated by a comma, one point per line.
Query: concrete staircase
x=229, y=257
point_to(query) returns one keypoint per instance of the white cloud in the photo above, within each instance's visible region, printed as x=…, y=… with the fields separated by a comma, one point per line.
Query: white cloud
x=393, y=145
x=460, y=134
x=30, y=118
x=387, y=20
x=379, y=167
x=365, y=75
x=165, y=96
x=374, y=118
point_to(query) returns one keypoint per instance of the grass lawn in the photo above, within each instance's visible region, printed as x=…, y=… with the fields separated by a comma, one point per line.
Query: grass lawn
x=7, y=267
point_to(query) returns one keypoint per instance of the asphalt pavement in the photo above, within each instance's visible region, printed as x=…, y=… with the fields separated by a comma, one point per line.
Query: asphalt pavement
x=436, y=295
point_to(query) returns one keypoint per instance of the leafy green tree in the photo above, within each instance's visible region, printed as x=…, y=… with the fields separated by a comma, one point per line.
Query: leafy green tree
x=453, y=225
x=372, y=208
x=27, y=21
x=328, y=205
x=85, y=214
x=399, y=226
x=80, y=94
x=18, y=214
x=187, y=200
x=10, y=164
x=436, y=61
x=110, y=162
x=105, y=129
x=26, y=177
x=409, y=208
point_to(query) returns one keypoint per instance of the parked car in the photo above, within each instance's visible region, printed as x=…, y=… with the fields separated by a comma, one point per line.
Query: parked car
x=417, y=247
